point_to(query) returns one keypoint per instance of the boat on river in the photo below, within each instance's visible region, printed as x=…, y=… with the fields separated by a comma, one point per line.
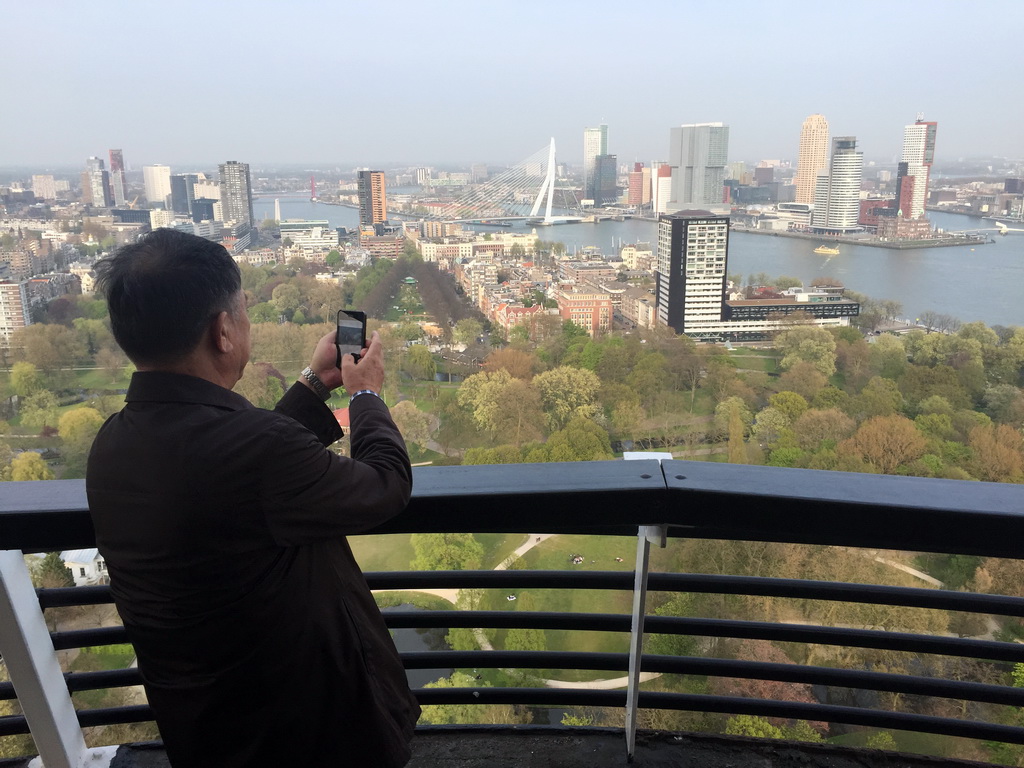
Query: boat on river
x=827, y=250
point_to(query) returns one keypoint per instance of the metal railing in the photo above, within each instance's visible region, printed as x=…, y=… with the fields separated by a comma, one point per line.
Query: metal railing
x=645, y=499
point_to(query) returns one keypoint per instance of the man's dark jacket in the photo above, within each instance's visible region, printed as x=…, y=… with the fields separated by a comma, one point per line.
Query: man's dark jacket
x=223, y=527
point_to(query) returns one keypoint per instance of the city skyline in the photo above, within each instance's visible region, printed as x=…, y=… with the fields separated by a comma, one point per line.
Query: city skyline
x=483, y=122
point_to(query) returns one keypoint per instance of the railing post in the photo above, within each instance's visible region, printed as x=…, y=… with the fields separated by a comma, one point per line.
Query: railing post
x=26, y=647
x=646, y=535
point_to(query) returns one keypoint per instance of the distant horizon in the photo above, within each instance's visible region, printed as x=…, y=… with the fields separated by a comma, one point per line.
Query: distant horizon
x=466, y=80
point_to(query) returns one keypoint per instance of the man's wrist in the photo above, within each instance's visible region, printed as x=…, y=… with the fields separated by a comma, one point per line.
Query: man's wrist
x=359, y=392
x=313, y=382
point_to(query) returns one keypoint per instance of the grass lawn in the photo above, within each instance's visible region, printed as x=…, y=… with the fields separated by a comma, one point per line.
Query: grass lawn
x=391, y=552
x=937, y=745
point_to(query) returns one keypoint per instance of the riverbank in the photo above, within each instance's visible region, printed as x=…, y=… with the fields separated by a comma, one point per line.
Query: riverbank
x=896, y=245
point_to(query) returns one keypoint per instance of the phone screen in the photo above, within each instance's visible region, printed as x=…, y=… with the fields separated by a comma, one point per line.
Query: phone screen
x=351, y=336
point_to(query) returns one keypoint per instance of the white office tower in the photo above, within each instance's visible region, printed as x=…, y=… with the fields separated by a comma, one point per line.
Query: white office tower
x=813, y=157
x=698, y=155
x=690, y=278
x=236, y=192
x=918, y=154
x=837, y=193
x=157, y=180
x=595, y=142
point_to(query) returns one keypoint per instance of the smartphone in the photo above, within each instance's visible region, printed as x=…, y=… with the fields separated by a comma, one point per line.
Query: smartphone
x=351, y=338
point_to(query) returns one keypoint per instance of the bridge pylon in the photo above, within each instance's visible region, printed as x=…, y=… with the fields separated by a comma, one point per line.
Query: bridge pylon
x=548, y=187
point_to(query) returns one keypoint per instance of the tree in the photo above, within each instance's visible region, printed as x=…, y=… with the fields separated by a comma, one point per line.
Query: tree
x=518, y=416
x=79, y=426
x=333, y=258
x=887, y=442
x=998, y=453
x=111, y=360
x=525, y=639
x=815, y=427
x=25, y=379
x=470, y=714
x=519, y=363
x=755, y=727
x=285, y=298
x=809, y=344
x=467, y=331
x=39, y=410
x=789, y=403
x=419, y=363
x=446, y=552
x=51, y=573
x=29, y=466
x=804, y=379
x=567, y=392
x=580, y=440
x=413, y=423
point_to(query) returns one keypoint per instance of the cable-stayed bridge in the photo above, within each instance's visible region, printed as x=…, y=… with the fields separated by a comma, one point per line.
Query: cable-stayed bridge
x=524, y=191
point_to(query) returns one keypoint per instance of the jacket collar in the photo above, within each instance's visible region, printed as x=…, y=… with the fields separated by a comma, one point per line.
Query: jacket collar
x=162, y=387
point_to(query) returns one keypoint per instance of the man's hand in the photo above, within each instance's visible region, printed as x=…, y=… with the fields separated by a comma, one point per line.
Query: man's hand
x=325, y=357
x=368, y=373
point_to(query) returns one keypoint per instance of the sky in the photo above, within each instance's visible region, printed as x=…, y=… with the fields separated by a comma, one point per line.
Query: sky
x=346, y=84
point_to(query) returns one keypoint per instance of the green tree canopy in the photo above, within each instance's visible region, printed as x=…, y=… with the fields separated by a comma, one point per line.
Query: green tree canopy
x=566, y=393
x=446, y=552
x=809, y=344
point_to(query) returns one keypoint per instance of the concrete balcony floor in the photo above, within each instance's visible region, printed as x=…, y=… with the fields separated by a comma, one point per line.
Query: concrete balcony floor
x=485, y=747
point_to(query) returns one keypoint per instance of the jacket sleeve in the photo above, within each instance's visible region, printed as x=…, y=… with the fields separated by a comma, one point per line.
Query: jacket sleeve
x=308, y=493
x=310, y=411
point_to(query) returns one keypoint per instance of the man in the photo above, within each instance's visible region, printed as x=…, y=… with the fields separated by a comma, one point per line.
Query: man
x=223, y=527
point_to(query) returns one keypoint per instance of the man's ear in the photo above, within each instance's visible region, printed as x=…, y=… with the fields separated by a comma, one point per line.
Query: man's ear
x=221, y=328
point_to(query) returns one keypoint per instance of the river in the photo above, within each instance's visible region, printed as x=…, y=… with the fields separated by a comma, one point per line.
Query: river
x=983, y=282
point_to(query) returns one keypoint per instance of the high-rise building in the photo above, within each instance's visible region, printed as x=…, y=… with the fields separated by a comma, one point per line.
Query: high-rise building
x=373, y=203
x=13, y=310
x=837, y=193
x=44, y=187
x=606, y=190
x=157, y=181
x=698, y=155
x=812, y=158
x=96, y=184
x=183, y=192
x=636, y=185
x=118, y=185
x=595, y=142
x=690, y=278
x=236, y=192
x=661, y=187
x=919, y=154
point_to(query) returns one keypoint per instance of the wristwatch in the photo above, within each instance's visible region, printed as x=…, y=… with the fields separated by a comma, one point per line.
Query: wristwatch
x=314, y=381
x=354, y=395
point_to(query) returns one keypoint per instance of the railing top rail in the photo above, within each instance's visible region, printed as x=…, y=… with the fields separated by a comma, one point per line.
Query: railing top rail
x=696, y=499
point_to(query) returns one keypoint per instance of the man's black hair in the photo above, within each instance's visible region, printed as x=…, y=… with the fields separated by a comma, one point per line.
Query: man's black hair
x=163, y=290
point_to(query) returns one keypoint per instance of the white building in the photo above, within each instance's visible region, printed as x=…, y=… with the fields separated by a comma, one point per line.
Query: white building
x=918, y=154
x=157, y=180
x=595, y=142
x=86, y=565
x=837, y=194
x=160, y=218
x=44, y=187
x=309, y=235
x=813, y=157
x=13, y=310
x=698, y=155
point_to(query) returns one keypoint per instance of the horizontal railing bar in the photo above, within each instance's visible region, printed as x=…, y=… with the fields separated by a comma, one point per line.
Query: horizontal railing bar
x=66, y=597
x=859, y=638
x=86, y=638
x=110, y=678
x=139, y=713
x=692, y=665
x=760, y=586
x=7, y=692
x=13, y=725
x=725, y=705
x=600, y=622
x=909, y=597
x=696, y=499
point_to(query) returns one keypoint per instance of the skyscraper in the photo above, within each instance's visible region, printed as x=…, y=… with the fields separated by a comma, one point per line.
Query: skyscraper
x=157, y=180
x=183, y=192
x=117, y=181
x=698, y=155
x=690, y=279
x=373, y=203
x=918, y=154
x=813, y=157
x=595, y=142
x=96, y=184
x=236, y=192
x=606, y=190
x=837, y=192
